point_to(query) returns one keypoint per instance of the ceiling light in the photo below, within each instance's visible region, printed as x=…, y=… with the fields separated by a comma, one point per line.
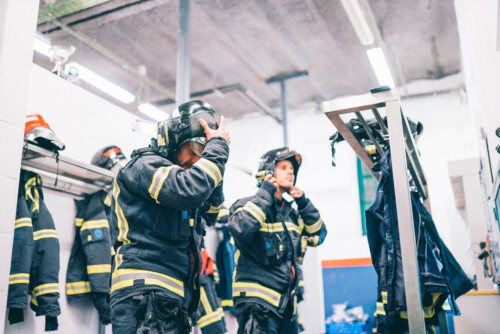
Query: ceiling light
x=358, y=21
x=380, y=67
x=41, y=46
x=152, y=111
x=77, y=70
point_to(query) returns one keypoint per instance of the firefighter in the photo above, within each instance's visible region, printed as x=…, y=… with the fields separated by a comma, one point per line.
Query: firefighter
x=161, y=201
x=270, y=236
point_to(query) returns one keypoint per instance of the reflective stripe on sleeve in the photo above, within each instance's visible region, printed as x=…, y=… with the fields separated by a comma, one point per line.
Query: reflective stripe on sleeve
x=314, y=227
x=158, y=179
x=23, y=222
x=19, y=278
x=90, y=224
x=42, y=234
x=76, y=288
x=210, y=168
x=45, y=289
x=98, y=269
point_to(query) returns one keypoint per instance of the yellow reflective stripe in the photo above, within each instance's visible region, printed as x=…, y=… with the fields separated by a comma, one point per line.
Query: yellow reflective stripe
x=122, y=222
x=301, y=283
x=226, y=302
x=380, y=309
x=211, y=169
x=256, y=290
x=314, y=227
x=214, y=209
x=98, y=269
x=255, y=211
x=76, y=288
x=23, y=222
x=123, y=278
x=276, y=227
x=210, y=318
x=292, y=227
x=112, y=251
x=19, y=278
x=42, y=234
x=223, y=213
x=205, y=302
x=107, y=200
x=384, y=297
x=78, y=222
x=45, y=289
x=89, y=224
x=158, y=179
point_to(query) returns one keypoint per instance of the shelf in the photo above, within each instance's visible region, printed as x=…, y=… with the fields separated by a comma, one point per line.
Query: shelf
x=73, y=177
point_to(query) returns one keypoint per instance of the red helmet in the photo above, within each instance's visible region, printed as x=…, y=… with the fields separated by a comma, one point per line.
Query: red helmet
x=38, y=132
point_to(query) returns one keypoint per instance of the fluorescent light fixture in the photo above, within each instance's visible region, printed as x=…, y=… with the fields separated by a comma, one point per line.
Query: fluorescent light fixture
x=358, y=21
x=41, y=46
x=83, y=73
x=152, y=112
x=380, y=67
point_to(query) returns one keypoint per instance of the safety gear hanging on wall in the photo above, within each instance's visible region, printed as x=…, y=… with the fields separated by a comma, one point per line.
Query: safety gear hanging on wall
x=34, y=266
x=108, y=157
x=155, y=206
x=269, y=159
x=38, y=132
x=89, y=268
x=225, y=263
x=441, y=277
x=267, y=233
x=211, y=315
x=183, y=126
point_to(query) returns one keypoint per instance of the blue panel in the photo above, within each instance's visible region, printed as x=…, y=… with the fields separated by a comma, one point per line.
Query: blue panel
x=355, y=285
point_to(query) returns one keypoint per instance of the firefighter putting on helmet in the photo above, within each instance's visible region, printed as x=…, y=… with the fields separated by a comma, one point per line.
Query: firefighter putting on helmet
x=272, y=237
x=161, y=201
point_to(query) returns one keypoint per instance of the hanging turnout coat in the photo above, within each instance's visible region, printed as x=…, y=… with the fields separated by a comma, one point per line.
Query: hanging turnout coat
x=34, y=266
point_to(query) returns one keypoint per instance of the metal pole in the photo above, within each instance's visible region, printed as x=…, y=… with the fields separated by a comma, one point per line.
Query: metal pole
x=182, y=79
x=284, y=112
x=405, y=219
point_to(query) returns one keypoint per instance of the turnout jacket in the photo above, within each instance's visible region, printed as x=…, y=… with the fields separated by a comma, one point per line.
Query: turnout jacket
x=89, y=268
x=211, y=315
x=441, y=277
x=270, y=236
x=157, y=207
x=225, y=263
x=34, y=266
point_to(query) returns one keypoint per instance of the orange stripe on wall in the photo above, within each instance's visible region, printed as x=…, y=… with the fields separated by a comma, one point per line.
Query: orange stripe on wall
x=346, y=263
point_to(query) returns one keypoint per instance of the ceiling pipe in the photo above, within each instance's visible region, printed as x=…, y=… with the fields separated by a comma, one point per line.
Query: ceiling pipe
x=115, y=59
x=65, y=8
x=182, y=76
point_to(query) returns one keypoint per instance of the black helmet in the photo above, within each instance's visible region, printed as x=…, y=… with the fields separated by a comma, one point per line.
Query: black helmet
x=107, y=157
x=269, y=160
x=183, y=125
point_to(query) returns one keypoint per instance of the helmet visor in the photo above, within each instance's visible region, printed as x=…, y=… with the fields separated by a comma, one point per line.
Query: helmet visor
x=197, y=145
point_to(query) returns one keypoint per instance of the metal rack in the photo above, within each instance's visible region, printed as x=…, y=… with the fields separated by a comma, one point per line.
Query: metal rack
x=405, y=160
x=73, y=177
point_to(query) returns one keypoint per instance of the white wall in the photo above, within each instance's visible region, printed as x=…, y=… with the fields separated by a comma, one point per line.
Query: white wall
x=17, y=30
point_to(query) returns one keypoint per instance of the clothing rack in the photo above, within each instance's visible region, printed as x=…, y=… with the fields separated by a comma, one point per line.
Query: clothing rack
x=407, y=173
x=63, y=174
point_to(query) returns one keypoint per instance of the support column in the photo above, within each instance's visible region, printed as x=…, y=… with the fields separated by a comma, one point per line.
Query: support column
x=182, y=79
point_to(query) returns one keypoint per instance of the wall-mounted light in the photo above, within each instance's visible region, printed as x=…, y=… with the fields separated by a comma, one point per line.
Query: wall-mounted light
x=152, y=111
x=380, y=67
x=76, y=70
x=358, y=21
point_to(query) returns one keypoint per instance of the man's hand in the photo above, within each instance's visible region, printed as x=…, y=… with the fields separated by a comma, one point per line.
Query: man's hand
x=220, y=132
x=295, y=192
x=271, y=179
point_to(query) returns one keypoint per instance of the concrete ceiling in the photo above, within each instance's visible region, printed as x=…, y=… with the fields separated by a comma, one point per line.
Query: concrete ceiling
x=245, y=42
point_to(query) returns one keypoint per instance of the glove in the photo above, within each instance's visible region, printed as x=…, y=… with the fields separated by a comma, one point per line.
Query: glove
x=101, y=303
x=16, y=315
x=51, y=324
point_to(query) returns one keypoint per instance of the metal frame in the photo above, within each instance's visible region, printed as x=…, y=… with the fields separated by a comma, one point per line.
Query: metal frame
x=405, y=157
x=73, y=177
